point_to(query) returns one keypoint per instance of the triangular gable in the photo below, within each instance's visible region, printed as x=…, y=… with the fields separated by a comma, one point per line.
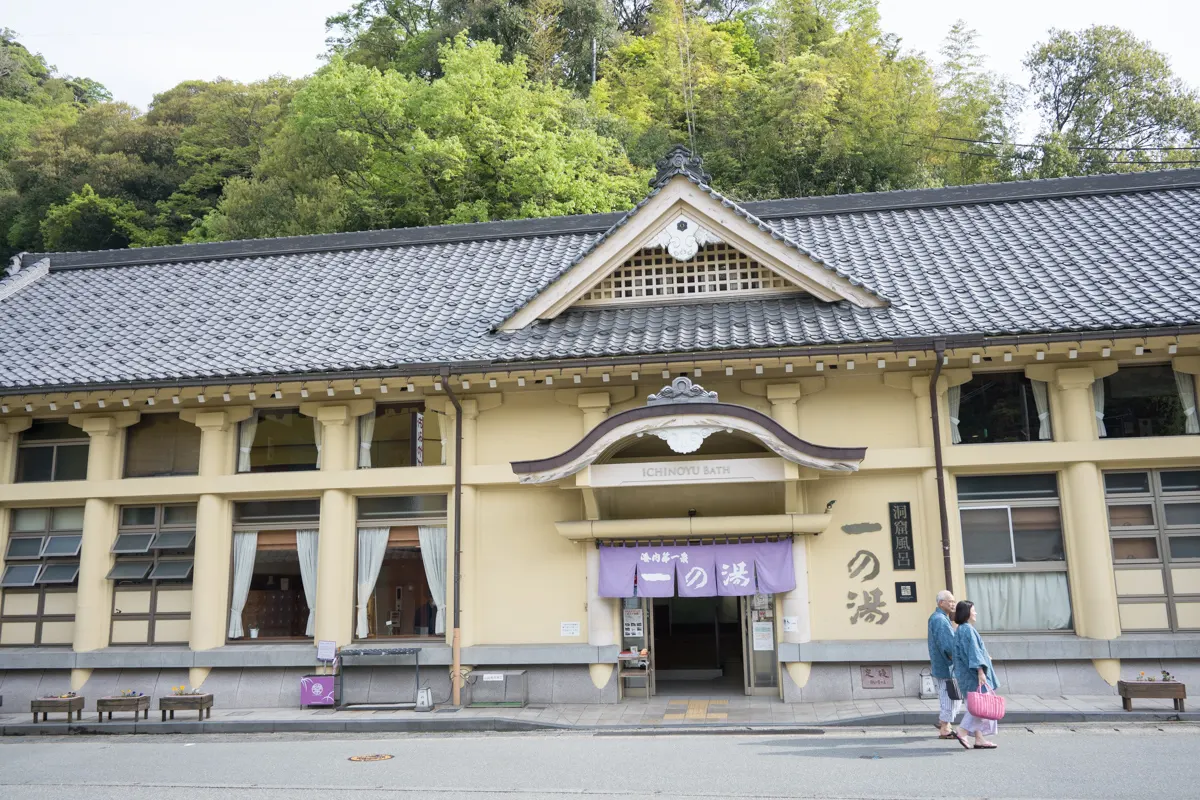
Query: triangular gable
x=682, y=217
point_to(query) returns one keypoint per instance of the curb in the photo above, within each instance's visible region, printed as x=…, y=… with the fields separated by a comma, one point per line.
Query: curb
x=509, y=725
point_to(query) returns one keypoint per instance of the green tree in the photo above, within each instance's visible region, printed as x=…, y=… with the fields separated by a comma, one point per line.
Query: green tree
x=1103, y=95
x=87, y=221
x=367, y=149
x=975, y=109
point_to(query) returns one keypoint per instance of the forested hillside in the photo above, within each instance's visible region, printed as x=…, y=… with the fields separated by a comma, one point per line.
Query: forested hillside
x=432, y=112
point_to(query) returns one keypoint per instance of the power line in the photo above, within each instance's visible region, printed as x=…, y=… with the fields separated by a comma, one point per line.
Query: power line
x=1030, y=157
x=1066, y=147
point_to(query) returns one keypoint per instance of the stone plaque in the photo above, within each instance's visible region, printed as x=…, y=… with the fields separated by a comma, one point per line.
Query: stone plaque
x=877, y=677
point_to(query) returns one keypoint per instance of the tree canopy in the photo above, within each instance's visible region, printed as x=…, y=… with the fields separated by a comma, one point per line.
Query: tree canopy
x=436, y=111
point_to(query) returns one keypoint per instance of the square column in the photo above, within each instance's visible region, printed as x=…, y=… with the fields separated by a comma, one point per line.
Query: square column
x=93, y=599
x=214, y=528
x=1085, y=521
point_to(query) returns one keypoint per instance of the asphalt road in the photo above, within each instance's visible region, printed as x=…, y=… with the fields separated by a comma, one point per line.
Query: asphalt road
x=1084, y=761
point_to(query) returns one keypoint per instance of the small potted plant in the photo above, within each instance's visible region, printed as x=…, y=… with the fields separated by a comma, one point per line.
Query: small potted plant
x=183, y=698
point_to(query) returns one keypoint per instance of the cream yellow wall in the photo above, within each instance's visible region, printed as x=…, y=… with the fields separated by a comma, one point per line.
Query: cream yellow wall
x=530, y=579
x=863, y=499
x=521, y=580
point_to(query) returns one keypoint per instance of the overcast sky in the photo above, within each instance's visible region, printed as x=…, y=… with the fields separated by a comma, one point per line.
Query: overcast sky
x=140, y=47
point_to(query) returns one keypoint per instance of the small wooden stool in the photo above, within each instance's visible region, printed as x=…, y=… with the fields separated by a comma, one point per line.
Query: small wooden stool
x=138, y=704
x=46, y=705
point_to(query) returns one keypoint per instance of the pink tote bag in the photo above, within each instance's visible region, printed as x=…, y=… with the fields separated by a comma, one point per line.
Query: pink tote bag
x=985, y=703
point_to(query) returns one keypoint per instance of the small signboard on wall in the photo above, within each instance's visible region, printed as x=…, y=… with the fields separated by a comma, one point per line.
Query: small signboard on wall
x=632, y=619
x=568, y=629
x=906, y=591
x=877, y=677
x=900, y=517
x=763, y=635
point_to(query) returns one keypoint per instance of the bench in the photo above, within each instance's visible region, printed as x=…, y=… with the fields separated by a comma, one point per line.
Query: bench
x=138, y=704
x=1163, y=690
x=47, y=705
x=186, y=702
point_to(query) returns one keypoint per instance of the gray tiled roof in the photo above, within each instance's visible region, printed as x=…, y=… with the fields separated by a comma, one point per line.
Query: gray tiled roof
x=1034, y=257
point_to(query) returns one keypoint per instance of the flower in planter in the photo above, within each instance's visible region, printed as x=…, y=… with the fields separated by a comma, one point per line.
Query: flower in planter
x=1142, y=675
x=1167, y=677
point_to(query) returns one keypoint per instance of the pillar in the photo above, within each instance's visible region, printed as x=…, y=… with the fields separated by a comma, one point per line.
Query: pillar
x=93, y=596
x=336, y=547
x=796, y=604
x=469, y=531
x=601, y=611
x=1085, y=523
x=214, y=532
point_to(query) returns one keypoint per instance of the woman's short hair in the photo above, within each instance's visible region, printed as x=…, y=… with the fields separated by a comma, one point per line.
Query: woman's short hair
x=962, y=611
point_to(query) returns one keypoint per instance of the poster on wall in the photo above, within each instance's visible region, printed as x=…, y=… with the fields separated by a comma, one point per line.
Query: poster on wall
x=568, y=629
x=632, y=618
x=900, y=517
x=764, y=636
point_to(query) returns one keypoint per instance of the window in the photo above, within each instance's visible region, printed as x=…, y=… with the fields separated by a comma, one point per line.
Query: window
x=401, y=567
x=162, y=444
x=1146, y=401
x=278, y=440
x=52, y=451
x=399, y=436
x=274, y=569
x=1013, y=552
x=152, y=575
x=41, y=570
x=999, y=407
x=1154, y=523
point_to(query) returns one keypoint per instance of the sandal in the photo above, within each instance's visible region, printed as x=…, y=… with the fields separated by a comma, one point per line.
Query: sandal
x=985, y=746
x=963, y=742
x=950, y=735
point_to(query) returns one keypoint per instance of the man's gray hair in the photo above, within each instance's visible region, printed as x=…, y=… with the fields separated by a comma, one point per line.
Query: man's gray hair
x=944, y=594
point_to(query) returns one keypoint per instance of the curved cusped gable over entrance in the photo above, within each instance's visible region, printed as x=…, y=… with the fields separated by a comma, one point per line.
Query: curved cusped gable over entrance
x=684, y=415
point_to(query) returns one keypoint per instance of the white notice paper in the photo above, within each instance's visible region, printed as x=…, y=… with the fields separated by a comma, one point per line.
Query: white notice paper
x=764, y=636
x=326, y=650
x=568, y=629
x=632, y=618
x=493, y=676
x=791, y=624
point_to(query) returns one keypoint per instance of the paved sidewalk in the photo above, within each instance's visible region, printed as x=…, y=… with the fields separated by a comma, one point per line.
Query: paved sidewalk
x=661, y=714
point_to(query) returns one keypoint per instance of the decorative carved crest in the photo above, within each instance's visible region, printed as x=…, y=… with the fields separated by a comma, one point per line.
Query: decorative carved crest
x=683, y=238
x=679, y=161
x=682, y=390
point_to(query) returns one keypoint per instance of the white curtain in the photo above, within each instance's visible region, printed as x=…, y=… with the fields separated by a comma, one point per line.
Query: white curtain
x=317, y=439
x=1042, y=400
x=1098, y=402
x=1020, y=601
x=372, y=544
x=245, y=548
x=433, y=554
x=306, y=552
x=366, y=433
x=246, y=431
x=1187, y=398
x=954, y=399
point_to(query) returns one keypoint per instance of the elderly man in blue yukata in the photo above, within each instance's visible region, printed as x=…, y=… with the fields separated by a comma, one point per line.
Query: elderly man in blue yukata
x=941, y=657
x=972, y=668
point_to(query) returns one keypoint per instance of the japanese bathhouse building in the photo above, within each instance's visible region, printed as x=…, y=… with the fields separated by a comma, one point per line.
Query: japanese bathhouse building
x=753, y=439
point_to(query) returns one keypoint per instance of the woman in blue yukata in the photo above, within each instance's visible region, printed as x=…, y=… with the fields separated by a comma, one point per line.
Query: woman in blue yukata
x=972, y=667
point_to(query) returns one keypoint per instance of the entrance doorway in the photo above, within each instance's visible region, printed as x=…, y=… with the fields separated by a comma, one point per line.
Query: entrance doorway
x=701, y=646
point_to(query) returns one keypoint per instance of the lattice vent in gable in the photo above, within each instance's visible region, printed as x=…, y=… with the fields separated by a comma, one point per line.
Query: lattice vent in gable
x=717, y=270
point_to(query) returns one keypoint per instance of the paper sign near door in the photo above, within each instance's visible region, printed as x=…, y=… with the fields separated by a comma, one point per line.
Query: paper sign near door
x=632, y=619
x=763, y=635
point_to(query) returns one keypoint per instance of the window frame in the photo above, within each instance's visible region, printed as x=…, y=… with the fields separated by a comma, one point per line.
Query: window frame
x=156, y=586
x=42, y=561
x=129, y=433
x=1157, y=497
x=1032, y=419
x=53, y=444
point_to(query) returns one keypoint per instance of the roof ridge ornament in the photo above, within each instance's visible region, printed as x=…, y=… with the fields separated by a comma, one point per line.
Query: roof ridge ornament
x=682, y=390
x=679, y=161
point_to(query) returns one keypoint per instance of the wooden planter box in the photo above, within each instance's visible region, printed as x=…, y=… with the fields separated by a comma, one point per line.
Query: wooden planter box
x=1162, y=690
x=47, y=705
x=138, y=704
x=186, y=702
